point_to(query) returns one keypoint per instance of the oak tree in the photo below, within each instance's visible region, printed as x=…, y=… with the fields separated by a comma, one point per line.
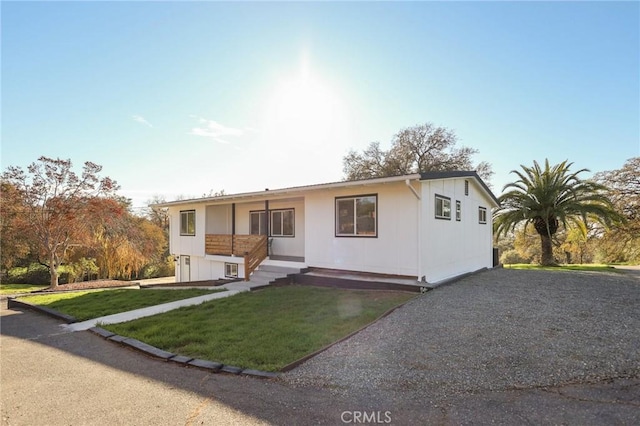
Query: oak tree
x=421, y=148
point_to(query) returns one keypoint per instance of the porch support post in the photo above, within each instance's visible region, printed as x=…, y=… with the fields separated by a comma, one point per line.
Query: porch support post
x=268, y=221
x=233, y=225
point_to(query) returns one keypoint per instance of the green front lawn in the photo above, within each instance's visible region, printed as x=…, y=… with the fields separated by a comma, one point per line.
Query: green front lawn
x=264, y=330
x=578, y=267
x=6, y=289
x=84, y=305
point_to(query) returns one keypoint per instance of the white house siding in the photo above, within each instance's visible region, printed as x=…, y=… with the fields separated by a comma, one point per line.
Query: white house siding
x=187, y=244
x=281, y=246
x=452, y=247
x=410, y=240
x=395, y=249
x=217, y=219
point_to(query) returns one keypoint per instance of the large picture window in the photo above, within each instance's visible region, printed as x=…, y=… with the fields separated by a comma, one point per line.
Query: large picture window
x=357, y=216
x=443, y=207
x=188, y=222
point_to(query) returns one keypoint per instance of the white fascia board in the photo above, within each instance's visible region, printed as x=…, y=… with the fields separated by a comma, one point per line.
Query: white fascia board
x=293, y=191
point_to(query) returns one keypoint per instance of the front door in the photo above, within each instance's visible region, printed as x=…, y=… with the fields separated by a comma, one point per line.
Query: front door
x=185, y=268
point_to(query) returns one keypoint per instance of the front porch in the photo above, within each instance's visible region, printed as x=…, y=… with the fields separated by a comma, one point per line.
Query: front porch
x=252, y=248
x=234, y=245
x=231, y=229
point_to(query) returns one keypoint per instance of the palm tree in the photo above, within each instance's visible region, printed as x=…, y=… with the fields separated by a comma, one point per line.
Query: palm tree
x=550, y=197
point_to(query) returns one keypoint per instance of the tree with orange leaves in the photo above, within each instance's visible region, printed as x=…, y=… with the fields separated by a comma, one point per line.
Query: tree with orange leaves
x=60, y=205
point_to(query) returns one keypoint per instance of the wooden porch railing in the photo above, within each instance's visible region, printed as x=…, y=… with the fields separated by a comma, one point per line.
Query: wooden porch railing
x=253, y=258
x=252, y=247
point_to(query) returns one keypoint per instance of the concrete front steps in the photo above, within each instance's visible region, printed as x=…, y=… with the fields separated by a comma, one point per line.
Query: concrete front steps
x=275, y=271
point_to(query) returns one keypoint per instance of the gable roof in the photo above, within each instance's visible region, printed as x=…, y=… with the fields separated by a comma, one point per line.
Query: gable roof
x=457, y=174
x=342, y=184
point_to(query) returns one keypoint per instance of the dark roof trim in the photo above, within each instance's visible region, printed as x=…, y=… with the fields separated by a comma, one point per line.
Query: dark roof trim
x=458, y=174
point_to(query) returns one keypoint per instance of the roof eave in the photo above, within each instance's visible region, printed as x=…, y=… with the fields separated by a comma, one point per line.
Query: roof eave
x=291, y=190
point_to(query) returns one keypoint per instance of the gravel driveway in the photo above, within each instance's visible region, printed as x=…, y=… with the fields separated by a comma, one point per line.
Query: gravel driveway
x=494, y=331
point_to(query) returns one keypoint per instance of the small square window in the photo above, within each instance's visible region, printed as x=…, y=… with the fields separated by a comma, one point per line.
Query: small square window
x=482, y=214
x=231, y=270
x=443, y=207
x=188, y=222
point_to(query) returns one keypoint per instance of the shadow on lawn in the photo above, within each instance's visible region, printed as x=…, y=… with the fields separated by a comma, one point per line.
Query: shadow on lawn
x=242, y=393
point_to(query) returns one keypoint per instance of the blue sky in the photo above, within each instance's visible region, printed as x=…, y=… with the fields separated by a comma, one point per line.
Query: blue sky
x=183, y=98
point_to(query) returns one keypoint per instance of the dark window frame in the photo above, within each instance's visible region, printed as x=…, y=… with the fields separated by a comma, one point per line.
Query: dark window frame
x=293, y=225
x=444, y=199
x=228, y=265
x=482, y=215
x=262, y=222
x=355, y=233
x=184, y=223
x=458, y=210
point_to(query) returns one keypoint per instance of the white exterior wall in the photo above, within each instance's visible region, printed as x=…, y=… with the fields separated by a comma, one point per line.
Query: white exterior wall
x=394, y=251
x=450, y=247
x=281, y=246
x=188, y=245
x=410, y=240
x=217, y=219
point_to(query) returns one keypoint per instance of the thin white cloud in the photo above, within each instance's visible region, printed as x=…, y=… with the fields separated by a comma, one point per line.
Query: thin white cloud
x=215, y=131
x=140, y=119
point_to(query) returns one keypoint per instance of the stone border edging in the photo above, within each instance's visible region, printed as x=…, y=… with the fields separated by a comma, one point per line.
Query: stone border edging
x=13, y=303
x=212, y=366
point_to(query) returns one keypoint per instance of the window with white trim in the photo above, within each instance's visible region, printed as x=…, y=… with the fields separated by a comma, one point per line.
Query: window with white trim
x=188, y=222
x=231, y=270
x=282, y=223
x=443, y=207
x=482, y=214
x=466, y=187
x=458, y=210
x=357, y=216
x=257, y=223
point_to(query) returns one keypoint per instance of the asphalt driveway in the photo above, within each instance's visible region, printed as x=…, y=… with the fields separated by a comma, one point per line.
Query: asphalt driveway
x=503, y=346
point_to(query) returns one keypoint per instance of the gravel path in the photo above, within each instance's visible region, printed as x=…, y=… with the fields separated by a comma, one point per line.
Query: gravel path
x=498, y=330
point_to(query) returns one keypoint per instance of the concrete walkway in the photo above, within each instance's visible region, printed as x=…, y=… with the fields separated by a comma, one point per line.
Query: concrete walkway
x=231, y=290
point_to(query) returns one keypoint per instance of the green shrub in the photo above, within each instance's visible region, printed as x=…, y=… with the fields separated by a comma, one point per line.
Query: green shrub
x=156, y=270
x=32, y=274
x=512, y=256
